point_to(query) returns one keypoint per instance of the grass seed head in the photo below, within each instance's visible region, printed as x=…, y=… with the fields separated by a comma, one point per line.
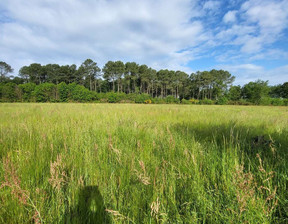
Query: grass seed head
x=58, y=175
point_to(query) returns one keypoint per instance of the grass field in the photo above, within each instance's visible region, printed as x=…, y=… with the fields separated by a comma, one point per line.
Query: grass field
x=105, y=163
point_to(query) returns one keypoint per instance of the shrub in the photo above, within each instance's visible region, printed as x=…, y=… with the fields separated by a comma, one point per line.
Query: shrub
x=194, y=101
x=131, y=96
x=112, y=98
x=148, y=101
x=27, y=91
x=222, y=101
x=45, y=92
x=126, y=101
x=94, y=96
x=171, y=99
x=158, y=101
x=206, y=101
x=141, y=98
x=244, y=102
x=8, y=92
x=277, y=102
x=102, y=97
x=63, y=92
x=265, y=101
x=103, y=100
x=184, y=101
x=79, y=93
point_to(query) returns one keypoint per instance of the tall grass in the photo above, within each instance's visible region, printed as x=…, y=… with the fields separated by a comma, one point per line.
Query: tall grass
x=103, y=163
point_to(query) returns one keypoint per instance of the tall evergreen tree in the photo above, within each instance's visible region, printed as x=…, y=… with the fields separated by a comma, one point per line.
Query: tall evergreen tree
x=5, y=69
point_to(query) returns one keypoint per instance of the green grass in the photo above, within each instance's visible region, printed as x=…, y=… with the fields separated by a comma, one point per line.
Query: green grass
x=104, y=163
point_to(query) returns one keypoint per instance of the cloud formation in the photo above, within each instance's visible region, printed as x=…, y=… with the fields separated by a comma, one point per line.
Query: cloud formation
x=211, y=5
x=145, y=31
x=270, y=17
x=230, y=17
x=251, y=72
x=159, y=33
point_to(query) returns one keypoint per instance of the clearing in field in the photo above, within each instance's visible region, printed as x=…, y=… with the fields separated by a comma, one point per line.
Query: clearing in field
x=103, y=163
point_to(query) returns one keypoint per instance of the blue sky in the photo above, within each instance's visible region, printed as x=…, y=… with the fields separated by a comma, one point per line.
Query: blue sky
x=248, y=38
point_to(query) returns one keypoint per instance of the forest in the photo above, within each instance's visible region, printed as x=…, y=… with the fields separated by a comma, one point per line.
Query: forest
x=132, y=83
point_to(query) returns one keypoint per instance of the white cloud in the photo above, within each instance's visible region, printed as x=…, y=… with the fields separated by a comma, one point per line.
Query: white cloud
x=251, y=44
x=271, y=16
x=271, y=19
x=271, y=54
x=258, y=26
x=160, y=33
x=250, y=72
x=244, y=73
x=212, y=5
x=277, y=75
x=227, y=36
x=253, y=68
x=149, y=32
x=230, y=17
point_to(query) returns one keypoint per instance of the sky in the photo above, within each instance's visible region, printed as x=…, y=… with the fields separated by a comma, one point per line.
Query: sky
x=248, y=38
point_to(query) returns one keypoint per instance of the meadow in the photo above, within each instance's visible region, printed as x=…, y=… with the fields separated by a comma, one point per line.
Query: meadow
x=129, y=163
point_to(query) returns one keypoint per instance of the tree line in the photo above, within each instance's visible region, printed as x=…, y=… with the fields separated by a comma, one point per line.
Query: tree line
x=119, y=80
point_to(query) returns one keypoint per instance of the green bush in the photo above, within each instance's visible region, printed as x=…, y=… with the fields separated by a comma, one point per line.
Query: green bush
x=194, y=101
x=265, y=101
x=114, y=97
x=63, y=92
x=141, y=98
x=8, y=92
x=158, y=100
x=45, y=92
x=277, y=102
x=131, y=96
x=206, y=101
x=101, y=97
x=184, y=101
x=27, y=90
x=171, y=100
x=79, y=93
x=49, y=92
x=244, y=102
x=222, y=101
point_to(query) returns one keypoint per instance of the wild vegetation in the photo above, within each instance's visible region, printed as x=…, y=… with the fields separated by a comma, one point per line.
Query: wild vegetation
x=126, y=82
x=123, y=163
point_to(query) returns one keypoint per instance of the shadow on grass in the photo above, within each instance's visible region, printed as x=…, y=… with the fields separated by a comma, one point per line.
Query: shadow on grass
x=90, y=208
x=251, y=140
